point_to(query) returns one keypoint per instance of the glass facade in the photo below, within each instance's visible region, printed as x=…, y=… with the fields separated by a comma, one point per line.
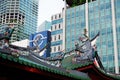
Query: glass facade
x=22, y=14
x=46, y=25
x=30, y=9
x=75, y=23
x=99, y=19
x=117, y=13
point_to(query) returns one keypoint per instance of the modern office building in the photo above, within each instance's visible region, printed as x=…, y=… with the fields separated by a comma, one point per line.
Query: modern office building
x=46, y=25
x=95, y=16
x=56, y=34
x=22, y=14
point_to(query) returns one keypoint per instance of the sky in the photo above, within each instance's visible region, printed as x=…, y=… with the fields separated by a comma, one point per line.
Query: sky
x=47, y=8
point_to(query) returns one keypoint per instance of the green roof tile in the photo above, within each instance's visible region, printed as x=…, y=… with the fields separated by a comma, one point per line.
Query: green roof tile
x=66, y=63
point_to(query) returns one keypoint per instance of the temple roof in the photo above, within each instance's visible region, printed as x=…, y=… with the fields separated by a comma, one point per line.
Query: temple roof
x=39, y=67
x=68, y=71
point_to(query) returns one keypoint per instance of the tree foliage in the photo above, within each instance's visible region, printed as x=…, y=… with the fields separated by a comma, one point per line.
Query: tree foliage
x=73, y=3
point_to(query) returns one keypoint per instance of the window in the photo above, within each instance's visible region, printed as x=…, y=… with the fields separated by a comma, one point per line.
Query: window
x=59, y=26
x=51, y=38
x=59, y=37
x=58, y=48
x=55, y=27
x=52, y=18
x=51, y=28
x=108, y=5
x=55, y=38
x=55, y=16
x=59, y=15
x=54, y=49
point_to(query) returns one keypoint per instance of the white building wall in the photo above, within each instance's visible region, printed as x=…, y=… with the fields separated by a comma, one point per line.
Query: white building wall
x=56, y=37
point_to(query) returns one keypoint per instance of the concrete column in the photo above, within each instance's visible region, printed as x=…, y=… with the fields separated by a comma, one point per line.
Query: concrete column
x=86, y=16
x=114, y=38
x=64, y=26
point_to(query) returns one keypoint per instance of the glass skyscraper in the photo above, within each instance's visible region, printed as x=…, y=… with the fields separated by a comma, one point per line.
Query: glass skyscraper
x=46, y=25
x=22, y=14
x=95, y=16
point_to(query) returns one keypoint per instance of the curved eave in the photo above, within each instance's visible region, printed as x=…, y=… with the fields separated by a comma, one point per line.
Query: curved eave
x=16, y=71
x=22, y=69
x=96, y=73
x=10, y=65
